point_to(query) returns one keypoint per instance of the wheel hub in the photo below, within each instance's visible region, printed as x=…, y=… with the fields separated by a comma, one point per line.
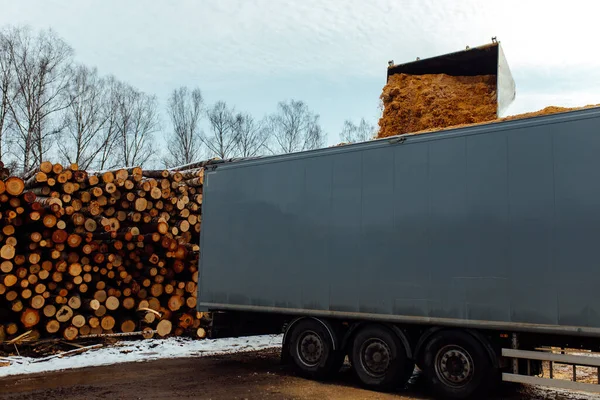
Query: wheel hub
x=310, y=348
x=375, y=355
x=454, y=365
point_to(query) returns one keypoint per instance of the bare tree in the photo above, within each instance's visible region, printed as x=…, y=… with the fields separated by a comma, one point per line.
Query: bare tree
x=295, y=128
x=222, y=140
x=6, y=91
x=12, y=166
x=185, y=111
x=251, y=135
x=41, y=69
x=107, y=156
x=352, y=133
x=136, y=121
x=86, y=117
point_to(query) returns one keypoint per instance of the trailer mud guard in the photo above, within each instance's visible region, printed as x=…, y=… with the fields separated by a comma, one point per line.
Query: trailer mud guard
x=484, y=342
x=330, y=329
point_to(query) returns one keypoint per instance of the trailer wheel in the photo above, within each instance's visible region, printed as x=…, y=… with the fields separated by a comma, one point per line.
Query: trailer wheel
x=456, y=365
x=379, y=358
x=311, y=348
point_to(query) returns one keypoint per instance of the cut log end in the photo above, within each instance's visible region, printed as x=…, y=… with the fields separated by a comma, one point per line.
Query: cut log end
x=107, y=323
x=10, y=280
x=30, y=318
x=129, y=303
x=78, y=321
x=128, y=326
x=52, y=326
x=64, y=314
x=70, y=333
x=147, y=333
x=14, y=186
x=191, y=302
x=141, y=204
x=60, y=236
x=94, y=304
x=12, y=328
x=7, y=252
x=85, y=330
x=201, y=333
x=164, y=327
x=49, y=310
x=38, y=301
x=112, y=303
x=150, y=317
x=108, y=177
x=75, y=303
x=57, y=168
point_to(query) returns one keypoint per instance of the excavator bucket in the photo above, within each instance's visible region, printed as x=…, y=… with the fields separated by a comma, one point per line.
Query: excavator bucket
x=488, y=59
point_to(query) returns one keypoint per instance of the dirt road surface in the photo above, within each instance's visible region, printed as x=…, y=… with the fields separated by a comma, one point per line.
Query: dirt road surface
x=258, y=375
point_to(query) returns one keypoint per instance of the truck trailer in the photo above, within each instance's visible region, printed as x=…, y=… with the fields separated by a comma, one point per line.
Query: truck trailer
x=470, y=252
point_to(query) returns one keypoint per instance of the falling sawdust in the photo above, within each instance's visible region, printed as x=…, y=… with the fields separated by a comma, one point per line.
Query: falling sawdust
x=413, y=103
x=428, y=103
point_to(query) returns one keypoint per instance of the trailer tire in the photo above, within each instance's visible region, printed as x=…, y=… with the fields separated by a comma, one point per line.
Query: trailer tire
x=379, y=358
x=456, y=365
x=311, y=348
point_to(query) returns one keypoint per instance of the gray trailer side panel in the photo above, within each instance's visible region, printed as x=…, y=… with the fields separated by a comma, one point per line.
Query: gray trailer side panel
x=494, y=225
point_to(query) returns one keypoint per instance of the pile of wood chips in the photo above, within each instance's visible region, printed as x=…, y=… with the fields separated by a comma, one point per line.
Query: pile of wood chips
x=85, y=254
x=413, y=103
x=429, y=103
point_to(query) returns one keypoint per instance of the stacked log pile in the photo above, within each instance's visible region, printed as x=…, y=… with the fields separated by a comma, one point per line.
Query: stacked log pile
x=89, y=253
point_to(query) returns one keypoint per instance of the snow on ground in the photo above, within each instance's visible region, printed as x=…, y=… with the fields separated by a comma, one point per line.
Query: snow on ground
x=138, y=351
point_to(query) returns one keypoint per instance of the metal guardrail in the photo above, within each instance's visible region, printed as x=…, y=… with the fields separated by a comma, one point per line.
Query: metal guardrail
x=568, y=359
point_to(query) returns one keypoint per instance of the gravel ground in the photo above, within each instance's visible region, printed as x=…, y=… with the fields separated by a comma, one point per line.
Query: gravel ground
x=249, y=375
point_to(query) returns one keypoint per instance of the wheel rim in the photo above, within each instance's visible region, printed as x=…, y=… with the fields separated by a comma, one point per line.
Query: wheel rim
x=375, y=357
x=310, y=348
x=454, y=366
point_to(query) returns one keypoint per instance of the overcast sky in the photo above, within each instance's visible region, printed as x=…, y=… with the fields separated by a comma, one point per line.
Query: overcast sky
x=330, y=53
